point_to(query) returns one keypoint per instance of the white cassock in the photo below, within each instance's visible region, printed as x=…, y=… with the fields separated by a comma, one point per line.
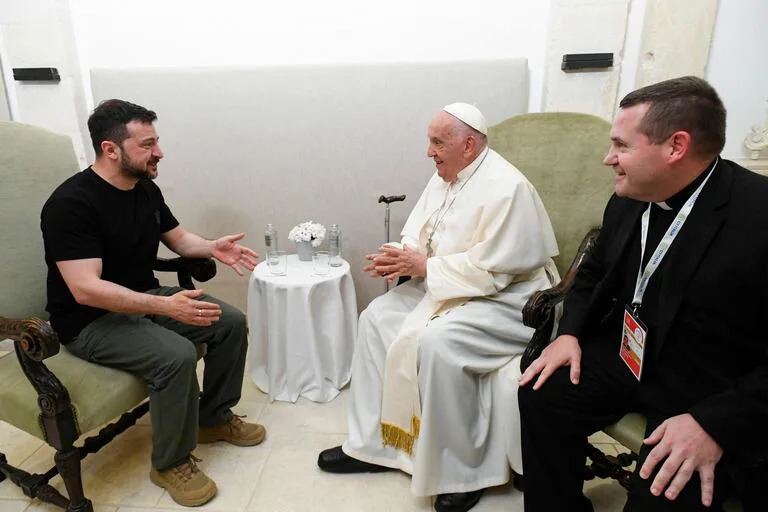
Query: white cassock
x=492, y=244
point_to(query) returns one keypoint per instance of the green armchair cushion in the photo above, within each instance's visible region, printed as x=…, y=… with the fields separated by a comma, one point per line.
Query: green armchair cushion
x=118, y=391
x=561, y=153
x=33, y=162
x=629, y=431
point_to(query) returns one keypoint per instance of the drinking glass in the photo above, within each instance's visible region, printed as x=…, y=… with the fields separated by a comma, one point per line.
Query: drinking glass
x=277, y=263
x=320, y=262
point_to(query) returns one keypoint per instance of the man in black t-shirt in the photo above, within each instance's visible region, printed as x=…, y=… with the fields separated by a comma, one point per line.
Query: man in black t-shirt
x=101, y=230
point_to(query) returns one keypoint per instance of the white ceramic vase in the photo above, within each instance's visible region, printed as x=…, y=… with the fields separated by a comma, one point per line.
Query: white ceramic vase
x=305, y=251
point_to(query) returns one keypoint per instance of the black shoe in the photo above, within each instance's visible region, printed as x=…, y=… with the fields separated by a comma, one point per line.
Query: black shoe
x=518, y=482
x=334, y=460
x=457, y=501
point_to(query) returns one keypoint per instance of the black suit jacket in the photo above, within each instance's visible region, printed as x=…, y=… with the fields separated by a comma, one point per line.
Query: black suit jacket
x=711, y=344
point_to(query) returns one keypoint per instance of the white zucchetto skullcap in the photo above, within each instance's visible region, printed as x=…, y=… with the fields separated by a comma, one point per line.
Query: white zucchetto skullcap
x=469, y=114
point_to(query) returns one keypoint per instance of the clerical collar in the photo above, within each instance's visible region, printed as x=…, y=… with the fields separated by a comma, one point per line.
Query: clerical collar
x=678, y=200
x=469, y=170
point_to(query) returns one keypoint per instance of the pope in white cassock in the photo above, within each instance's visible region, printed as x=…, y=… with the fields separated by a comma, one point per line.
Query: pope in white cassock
x=477, y=244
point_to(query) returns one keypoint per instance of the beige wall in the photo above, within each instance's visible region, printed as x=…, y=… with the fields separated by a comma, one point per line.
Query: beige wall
x=249, y=146
x=651, y=40
x=584, y=26
x=5, y=113
x=675, y=40
x=39, y=33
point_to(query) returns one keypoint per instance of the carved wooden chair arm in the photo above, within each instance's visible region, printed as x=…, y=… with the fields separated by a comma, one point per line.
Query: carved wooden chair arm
x=34, y=337
x=539, y=311
x=201, y=269
x=34, y=341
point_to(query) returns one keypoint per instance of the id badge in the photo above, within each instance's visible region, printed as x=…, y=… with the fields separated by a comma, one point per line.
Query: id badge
x=633, y=343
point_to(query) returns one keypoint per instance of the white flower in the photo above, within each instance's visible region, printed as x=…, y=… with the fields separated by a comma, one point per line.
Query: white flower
x=308, y=232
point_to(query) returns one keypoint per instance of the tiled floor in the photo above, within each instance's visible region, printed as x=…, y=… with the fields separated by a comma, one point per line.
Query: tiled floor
x=278, y=476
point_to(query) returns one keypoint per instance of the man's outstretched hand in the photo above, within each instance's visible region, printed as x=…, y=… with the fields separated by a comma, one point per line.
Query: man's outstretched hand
x=228, y=251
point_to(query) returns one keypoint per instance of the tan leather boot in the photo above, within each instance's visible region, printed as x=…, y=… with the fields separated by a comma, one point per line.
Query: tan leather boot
x=235, y=431
x=185, y=483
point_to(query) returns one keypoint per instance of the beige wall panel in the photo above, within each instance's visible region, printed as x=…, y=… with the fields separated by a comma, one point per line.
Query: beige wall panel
x=584, y=26
x=249, y=146
x=676, y=39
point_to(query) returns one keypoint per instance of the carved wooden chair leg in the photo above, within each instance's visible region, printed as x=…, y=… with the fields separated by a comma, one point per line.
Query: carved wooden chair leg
x=32, y=485
x=60, y=426
x=608, y=466
x=68, y=464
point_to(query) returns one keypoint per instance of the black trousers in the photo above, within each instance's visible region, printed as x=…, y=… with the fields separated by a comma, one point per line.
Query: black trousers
x=558, y=418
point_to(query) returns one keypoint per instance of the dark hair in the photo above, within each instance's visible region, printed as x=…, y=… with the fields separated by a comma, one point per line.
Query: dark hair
x=687, y=103
x=108, y=120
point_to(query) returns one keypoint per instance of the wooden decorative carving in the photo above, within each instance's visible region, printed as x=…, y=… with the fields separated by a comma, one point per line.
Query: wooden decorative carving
x=36, y=338
x=539, y=311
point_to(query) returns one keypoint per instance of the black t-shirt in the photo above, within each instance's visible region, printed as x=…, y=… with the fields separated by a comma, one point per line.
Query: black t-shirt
x=85, y=218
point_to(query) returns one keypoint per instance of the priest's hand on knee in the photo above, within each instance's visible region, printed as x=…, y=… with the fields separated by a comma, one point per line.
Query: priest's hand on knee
x=564, y=351
x=687, y=447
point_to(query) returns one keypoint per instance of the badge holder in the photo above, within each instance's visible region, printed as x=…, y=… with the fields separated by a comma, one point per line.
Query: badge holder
x=632, y=348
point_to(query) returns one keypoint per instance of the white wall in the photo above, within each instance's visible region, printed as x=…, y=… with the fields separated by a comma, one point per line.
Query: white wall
x=85, y=34
x=630, y=56
x=737, y=67
x=584, y=26
x=148, y=33
x=288, y=144
x=38, y=33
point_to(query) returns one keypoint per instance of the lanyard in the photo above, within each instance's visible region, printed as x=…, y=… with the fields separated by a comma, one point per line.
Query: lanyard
x=644, y=275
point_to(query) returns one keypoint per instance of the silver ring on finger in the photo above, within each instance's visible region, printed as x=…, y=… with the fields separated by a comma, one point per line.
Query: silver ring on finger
x=199, y=312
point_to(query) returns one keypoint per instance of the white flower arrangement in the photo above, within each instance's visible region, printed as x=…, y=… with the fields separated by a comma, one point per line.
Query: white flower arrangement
x=308, y=232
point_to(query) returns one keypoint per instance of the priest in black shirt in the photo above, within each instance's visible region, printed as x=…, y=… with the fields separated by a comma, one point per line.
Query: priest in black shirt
x=666, y=317
x=101, y=230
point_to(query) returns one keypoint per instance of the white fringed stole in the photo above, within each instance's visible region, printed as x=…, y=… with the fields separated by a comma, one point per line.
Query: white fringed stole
x=401, y=404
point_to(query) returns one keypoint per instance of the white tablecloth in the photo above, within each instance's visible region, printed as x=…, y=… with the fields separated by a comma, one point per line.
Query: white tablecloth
x=302, y=331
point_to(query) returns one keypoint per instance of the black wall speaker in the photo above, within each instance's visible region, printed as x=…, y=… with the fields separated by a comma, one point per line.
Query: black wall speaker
x=577, y=61
x=36, y=74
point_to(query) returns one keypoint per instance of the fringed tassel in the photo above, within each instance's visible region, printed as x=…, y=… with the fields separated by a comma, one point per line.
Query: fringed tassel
x=415, y=425
x=393, y=435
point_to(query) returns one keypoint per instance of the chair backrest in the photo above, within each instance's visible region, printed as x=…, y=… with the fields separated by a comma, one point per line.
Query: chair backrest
x=33, y=162
x=561, y=153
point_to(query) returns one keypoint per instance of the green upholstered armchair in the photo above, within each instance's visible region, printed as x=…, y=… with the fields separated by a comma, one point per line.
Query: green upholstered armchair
x=44, y=390
x=561, y=153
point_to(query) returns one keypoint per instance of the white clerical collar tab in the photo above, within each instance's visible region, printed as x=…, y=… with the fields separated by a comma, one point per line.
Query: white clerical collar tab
x=663, y=205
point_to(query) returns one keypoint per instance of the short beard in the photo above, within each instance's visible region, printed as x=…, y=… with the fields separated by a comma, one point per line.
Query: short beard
x=131, y=170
